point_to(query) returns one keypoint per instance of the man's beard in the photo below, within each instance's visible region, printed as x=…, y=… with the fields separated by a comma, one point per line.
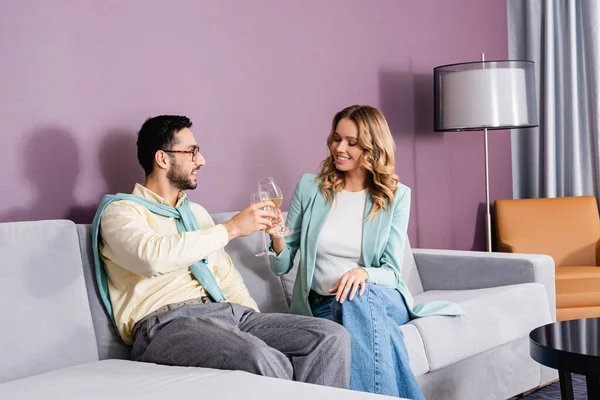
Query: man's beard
x=180, y=179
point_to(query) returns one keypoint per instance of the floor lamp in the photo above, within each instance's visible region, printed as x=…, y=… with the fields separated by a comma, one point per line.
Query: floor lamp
x=484, y=95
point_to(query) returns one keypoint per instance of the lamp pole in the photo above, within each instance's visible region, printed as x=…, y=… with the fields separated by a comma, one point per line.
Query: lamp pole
x=488, y=219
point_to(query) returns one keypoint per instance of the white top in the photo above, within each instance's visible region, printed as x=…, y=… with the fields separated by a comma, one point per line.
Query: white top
x=339, y=248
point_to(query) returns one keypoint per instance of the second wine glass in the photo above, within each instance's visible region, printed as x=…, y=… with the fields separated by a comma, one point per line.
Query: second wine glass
x=270, y=190
x=255, y=198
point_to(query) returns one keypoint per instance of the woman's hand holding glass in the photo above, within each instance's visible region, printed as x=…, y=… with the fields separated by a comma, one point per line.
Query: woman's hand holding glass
x=268, y=189
x=350, y=282
x=277, y=225
x=278, y=242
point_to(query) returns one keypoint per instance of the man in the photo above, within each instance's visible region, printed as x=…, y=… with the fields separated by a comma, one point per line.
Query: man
x=174, y=292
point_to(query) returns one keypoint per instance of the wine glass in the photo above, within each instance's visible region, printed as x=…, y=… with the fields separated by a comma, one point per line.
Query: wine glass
x=255, y=198
x=269, y=190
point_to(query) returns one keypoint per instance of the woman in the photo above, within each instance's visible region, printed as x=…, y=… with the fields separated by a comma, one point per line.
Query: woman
x=349, y=223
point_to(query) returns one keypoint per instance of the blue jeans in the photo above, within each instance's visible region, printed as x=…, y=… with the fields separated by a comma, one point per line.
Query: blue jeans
x=380, y=362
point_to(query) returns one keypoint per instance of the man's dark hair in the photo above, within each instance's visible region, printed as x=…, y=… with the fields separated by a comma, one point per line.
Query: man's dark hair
x=158, y=133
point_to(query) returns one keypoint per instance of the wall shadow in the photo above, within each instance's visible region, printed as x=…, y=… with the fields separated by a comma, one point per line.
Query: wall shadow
x=118, y=161
x=396, y=101
x=50, y=165
x=119, y=167
x=81, y=214
x=406, y=100
x=423, y=98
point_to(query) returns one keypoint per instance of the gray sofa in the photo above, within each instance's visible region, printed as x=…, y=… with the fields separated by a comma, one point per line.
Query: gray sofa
x=57, y=343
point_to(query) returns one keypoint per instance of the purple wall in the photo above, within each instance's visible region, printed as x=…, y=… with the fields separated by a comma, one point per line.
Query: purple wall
x=261, y=80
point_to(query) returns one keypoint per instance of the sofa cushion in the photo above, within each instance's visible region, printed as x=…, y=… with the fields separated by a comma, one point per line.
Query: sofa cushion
x=264, y=286
x=409, y=274
x=494, y=316
x=577, y=287
x=108, y=341
x=46, y=321
x=416, y=349
x=126, y=380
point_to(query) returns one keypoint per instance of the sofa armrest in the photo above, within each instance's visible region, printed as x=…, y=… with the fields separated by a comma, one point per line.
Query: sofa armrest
x=463, y=270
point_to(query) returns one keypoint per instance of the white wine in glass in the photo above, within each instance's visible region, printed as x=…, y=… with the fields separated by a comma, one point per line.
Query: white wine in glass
x=277, y=201
x=270, y=190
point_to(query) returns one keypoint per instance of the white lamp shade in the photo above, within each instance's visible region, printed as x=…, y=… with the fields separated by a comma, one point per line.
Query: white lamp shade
x=493, y=95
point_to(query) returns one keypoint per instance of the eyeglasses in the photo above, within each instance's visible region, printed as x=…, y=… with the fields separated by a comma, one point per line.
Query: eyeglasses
x=194, y=152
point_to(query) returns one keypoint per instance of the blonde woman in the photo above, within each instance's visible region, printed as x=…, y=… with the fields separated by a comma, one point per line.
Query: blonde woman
x=349, y=223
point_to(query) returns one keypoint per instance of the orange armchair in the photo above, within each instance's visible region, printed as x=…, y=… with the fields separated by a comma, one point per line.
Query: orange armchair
x=567, y=229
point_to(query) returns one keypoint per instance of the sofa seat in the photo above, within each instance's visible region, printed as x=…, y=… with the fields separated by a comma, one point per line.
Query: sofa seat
x=577, y=292
x=577, y=287
x=494, y=316
x=126, y=380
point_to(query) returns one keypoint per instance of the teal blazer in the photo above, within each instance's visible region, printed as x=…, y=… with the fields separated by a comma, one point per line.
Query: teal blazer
x=383, y=243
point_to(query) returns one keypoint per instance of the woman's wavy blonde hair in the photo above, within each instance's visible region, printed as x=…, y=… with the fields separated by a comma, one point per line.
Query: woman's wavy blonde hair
x=378, y=157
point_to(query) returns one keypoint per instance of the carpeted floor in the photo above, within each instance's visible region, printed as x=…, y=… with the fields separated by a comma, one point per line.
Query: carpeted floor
x=552, y=391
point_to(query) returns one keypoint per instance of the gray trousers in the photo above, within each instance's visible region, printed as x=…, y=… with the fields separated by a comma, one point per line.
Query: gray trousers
x=233, y=337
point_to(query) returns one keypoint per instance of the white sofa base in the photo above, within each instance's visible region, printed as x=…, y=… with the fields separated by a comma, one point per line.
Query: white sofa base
x=127, y=380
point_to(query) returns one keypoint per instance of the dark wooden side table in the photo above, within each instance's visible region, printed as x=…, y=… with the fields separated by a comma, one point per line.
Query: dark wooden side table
x=570, y=347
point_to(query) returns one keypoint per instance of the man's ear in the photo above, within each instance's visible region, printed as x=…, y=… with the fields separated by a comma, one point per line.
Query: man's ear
x=162, y=159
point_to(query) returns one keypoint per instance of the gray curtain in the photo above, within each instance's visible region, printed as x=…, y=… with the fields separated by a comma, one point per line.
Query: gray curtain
x=562, y=37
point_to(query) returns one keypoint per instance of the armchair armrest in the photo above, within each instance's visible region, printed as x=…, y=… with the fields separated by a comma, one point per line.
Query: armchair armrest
x=463, y=270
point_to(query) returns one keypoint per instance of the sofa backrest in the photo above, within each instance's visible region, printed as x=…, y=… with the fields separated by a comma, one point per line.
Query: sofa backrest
x=108, y=341
x=409, y=274
x=51, y=303
x=46, y=321
x=265, y=287
x=271, y=293
x=241, y=252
